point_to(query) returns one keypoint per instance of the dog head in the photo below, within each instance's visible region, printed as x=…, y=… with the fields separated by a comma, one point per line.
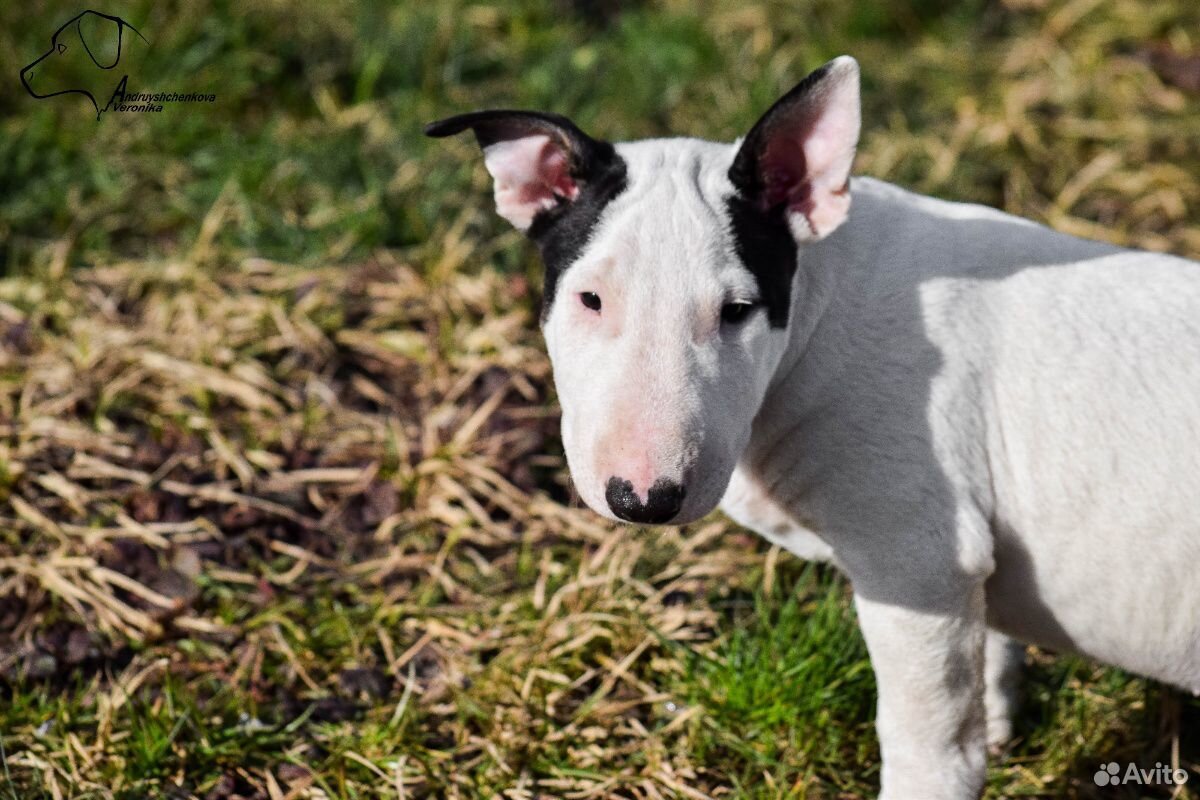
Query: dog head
x=669, y=281
x=82, y=56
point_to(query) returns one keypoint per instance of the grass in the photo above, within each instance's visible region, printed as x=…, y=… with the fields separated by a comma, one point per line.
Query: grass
x=285, y=514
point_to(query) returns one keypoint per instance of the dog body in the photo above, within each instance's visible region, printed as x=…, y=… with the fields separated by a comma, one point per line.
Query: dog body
x=990, y=427
x=988, y=421
x=1027, y=401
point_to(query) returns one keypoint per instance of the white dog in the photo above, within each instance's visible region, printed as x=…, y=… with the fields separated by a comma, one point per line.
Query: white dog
x=992, y=428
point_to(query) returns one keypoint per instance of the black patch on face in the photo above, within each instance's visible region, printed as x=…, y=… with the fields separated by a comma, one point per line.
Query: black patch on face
x=562, y=232
x=766, y=248
x=763, y=240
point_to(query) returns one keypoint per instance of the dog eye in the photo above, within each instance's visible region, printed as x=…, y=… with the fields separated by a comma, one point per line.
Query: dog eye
x=736, y=313
x=590, y=300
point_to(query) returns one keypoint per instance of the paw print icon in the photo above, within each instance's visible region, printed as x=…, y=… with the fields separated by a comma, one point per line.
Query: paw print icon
x=1109, y=774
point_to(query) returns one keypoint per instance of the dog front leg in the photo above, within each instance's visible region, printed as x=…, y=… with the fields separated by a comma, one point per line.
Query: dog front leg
x=1003, y=659
x=928, y=661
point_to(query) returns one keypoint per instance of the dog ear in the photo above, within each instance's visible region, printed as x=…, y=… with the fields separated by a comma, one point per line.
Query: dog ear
x=538, y=162
x=799, y=154
x=101, y=36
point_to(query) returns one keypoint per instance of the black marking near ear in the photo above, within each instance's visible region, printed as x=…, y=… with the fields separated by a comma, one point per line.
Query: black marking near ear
x=563, y=231
x=499, y=125
x=765, y=245
x=761, y=236
x=758, y=210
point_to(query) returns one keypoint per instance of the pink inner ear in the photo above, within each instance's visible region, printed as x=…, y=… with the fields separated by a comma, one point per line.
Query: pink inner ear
x=531, y=174
x=806, y=161
x=784, y=174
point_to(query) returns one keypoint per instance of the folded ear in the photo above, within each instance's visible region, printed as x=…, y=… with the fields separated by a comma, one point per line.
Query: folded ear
x=538, y=162
x=103, y=36
x=799, y=154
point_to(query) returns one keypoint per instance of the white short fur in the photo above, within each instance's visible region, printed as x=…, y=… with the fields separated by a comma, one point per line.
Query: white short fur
x=992, y=428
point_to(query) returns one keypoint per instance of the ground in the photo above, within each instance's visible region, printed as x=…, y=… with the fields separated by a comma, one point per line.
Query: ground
x=283, y=510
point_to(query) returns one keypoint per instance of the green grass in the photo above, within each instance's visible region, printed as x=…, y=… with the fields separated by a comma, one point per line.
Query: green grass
x=247, y=352
x=792, y=664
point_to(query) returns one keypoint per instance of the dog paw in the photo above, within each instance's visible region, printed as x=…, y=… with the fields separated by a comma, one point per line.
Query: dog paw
x=999, y=735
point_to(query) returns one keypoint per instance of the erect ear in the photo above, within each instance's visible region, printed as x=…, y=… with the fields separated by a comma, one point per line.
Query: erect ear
x=539, y=162
x=798, y=155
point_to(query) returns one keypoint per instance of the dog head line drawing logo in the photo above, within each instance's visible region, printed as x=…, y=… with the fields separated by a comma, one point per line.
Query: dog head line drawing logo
x=89, y=44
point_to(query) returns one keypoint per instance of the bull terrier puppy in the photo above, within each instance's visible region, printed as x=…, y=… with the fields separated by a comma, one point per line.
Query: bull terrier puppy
x=993, y=429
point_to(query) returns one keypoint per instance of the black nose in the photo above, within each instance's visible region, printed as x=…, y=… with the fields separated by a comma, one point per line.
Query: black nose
x=662, y=503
